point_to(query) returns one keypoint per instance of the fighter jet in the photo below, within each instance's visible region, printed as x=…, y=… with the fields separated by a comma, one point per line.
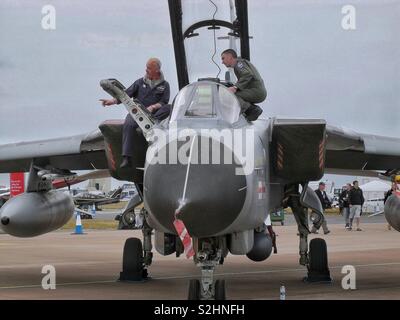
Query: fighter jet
x=208, y=177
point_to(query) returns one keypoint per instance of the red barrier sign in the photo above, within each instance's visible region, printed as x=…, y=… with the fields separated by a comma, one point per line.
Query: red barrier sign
x=17, y=183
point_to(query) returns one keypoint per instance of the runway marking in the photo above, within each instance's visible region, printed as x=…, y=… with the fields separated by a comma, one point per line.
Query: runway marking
x=40, y=265
x=197, y=275
x=59, y=284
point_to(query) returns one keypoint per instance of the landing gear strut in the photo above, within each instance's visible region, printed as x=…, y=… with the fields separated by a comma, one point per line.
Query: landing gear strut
x=316, y=259
x=206, y=288
x=301, y=215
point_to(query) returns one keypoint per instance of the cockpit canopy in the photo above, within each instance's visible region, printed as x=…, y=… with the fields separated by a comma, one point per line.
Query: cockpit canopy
x=201, y=30
x=207, y=100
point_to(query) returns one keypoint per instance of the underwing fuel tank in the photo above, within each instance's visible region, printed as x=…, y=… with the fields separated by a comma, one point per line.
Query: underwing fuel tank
x=34, y=213
x=392, y=211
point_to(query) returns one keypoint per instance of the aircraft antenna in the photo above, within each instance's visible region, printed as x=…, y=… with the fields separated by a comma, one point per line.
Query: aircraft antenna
x=215, y=39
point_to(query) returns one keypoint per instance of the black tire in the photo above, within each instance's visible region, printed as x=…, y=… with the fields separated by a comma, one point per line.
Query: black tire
x=194, y=290
x=132, y=261
x=220, y=292
x=318, y=256
x=282, y=223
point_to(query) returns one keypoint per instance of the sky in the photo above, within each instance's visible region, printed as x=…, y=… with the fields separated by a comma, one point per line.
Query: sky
x=312, y=67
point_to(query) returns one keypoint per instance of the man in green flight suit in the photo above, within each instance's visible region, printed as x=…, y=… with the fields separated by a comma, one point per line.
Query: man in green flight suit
x=249, y=88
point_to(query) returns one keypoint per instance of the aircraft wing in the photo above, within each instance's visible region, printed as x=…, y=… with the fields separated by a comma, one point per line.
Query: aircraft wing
x=352, y=153
x=80, y=152
x=97, y=174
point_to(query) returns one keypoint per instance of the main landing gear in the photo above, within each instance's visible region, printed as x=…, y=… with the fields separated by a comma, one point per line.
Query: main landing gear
x=318, y=269
x=137, y=257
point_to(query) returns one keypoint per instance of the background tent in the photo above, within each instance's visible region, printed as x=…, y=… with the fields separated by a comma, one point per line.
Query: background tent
x=374, y=193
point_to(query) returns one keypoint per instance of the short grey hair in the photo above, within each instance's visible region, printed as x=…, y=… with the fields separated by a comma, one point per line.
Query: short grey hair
x=156, y=61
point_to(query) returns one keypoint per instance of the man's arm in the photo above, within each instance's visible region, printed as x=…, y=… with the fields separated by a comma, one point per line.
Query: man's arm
x=163, y=100
x=245, y=76
x=132, y=92
x=328, y=201
x=165, y=97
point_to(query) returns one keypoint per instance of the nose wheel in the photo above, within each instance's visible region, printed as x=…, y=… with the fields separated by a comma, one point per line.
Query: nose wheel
x=220, y=292
x=194, y=290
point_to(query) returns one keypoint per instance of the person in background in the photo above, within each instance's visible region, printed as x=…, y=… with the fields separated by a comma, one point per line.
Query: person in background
x=271, y=232
x=344, y=204
x=326, y=203
x=356, y=200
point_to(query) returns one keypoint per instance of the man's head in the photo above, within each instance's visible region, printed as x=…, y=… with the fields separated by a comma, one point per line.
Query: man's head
x=153, y=69
x=229, y=58
x=348, y=186
x=321, y=186
x=355, y=184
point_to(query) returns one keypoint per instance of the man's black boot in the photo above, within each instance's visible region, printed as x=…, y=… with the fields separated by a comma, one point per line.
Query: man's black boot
x=126, y=162
x=253, y=112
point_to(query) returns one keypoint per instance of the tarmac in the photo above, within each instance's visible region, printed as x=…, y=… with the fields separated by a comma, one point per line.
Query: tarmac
x=87, y=267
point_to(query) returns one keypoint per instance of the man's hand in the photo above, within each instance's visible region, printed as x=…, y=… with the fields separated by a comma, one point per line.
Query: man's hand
x=154, y=107
x=232, y=89
x=108, y=102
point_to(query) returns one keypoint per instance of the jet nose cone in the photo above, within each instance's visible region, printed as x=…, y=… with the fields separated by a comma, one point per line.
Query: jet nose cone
x=214, y=196
x=5, y=221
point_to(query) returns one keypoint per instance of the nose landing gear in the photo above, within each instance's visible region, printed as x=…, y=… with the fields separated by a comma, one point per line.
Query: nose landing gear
x=207, y=288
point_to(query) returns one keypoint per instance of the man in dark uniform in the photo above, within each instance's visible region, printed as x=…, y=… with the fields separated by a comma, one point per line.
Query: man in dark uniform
x=344, y=204
x=292, y=199
x=326, y=203
x=153, y=92
x=249, y=88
